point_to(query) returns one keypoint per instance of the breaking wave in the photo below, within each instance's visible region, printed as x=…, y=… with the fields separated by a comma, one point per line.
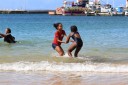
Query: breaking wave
x=63, y=67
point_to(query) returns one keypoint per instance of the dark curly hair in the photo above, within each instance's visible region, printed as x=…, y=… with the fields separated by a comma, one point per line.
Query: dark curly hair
x=9, y=30
x=73, y=28
x=56, y=25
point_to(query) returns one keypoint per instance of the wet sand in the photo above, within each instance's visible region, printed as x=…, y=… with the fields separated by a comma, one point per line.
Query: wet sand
x=50, y=78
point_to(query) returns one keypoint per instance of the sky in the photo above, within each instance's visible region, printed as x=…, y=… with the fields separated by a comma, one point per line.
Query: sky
x=43, y=4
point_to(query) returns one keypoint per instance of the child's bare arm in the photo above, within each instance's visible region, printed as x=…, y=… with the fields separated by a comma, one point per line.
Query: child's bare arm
x=60, y=40
x=68, y=38
x=2, y=35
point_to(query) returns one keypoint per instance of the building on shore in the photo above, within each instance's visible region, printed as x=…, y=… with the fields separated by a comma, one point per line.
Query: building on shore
x=106, y=10
x=52, y=12
x=90, y=8
x=72, y=8
x=86, y=7
x=99, y=9
x=59, y=11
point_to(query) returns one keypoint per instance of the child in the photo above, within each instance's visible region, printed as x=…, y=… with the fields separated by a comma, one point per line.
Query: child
x=7, y=36
x=76, y=44
x=59, y=34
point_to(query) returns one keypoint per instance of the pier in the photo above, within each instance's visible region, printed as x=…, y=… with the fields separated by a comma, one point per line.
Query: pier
x=25, y=11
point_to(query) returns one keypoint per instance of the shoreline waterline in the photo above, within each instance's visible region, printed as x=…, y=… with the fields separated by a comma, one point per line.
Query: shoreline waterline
x=63, y=78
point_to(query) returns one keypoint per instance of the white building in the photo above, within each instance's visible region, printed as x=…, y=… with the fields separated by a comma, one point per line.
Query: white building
x=91, y=5
x=106, y=10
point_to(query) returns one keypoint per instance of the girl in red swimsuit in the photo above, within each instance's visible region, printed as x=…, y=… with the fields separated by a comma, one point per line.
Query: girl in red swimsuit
x=59, y=34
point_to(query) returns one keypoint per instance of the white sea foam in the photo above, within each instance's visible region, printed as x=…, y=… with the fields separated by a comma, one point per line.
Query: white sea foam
x=56, y=55
x=67, y=56
x=63, y=67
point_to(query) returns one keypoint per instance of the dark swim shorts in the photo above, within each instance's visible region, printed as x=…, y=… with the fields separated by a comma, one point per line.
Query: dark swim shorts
x=54, y=45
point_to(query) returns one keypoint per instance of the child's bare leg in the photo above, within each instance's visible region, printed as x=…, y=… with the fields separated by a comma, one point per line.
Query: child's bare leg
x=71, y=48
x=77, y=51
x=59, y=50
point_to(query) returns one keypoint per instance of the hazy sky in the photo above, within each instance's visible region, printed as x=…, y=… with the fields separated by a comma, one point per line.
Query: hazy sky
x=42, y=4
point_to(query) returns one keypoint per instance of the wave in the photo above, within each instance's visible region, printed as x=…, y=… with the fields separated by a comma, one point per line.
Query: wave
x=63, y=67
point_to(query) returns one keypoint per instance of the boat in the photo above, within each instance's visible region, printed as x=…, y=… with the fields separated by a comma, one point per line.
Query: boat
x=126, y=13
x=73, y=11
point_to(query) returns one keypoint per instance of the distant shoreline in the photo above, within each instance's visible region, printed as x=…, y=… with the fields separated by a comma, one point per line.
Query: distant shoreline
x=25, y=11
x=51, y=12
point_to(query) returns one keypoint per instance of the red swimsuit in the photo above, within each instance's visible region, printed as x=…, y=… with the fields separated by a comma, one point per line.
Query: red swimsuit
x=60, y=36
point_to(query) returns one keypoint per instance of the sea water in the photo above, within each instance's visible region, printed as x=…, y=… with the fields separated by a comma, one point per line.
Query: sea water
x=105, y=46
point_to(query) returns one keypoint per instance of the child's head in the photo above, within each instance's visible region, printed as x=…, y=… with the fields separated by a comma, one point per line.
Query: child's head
x=74, y=28
x=8, y=30
x=58, y=26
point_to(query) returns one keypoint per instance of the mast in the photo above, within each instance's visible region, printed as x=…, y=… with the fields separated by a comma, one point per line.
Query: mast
x=64, y=3
x=77, y=1
x=113, y=3
x=126, y=3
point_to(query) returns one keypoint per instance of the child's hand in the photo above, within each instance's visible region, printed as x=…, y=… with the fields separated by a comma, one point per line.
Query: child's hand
x=71, y=40
x=65, y=42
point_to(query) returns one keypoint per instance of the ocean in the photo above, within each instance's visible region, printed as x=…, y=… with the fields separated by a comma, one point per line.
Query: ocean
x=103, y=58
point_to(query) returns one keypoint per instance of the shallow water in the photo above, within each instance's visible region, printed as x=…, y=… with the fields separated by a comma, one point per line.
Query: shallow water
x=102, y=36
x=105, y=50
